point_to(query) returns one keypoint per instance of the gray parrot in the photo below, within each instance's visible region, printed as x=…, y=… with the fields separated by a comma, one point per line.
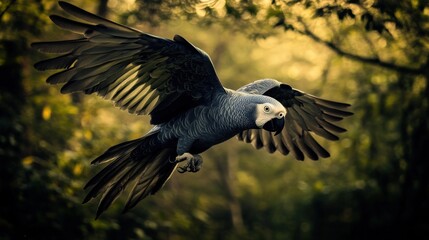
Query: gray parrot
x=176, y=84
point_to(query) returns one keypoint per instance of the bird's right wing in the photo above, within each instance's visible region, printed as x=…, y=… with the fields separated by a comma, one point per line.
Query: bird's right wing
x=142, y=73
x=306, y=114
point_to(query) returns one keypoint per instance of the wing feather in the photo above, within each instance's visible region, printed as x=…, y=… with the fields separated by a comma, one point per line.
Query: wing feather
x=59, y=46
x=61, y=62
x=268, y=142
x=68, y=24
x=137, y=71
x=289, y=137
x=279, y=145
x=84, y=15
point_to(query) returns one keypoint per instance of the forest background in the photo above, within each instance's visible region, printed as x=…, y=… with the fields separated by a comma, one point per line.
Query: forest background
x=372, y=54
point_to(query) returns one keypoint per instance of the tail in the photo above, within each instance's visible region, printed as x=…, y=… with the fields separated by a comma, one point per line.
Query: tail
x=130, y=162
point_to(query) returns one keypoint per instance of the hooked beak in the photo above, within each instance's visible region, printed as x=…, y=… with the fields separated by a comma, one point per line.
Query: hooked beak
x=275, y=125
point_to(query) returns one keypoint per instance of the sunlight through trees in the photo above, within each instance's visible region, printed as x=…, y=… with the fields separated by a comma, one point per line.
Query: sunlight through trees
x=371, y=54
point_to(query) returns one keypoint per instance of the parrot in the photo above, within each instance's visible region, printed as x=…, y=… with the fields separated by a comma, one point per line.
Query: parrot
x=176, y=84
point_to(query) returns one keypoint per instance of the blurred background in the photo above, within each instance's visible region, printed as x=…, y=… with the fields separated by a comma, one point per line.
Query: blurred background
x=372, y=54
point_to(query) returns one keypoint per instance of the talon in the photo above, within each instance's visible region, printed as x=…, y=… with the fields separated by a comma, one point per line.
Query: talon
x=183, y=157
x=181, y=169
x=194, y=163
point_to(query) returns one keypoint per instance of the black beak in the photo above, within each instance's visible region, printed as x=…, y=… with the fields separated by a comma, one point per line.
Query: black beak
x=275, y=125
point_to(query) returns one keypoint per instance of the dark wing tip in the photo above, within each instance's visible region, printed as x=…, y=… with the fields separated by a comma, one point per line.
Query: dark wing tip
x=54, y=17
x=62, y=3
x=35, y=46
x=129, y=205
x=87, y=197
x=58, y=20
x=37, y=66
x=98, y=214
x=68, y=6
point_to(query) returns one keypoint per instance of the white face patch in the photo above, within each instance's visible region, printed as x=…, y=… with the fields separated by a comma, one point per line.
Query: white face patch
x=267, y=111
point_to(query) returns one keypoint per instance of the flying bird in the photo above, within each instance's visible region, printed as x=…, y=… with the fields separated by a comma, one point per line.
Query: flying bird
x=175, y=83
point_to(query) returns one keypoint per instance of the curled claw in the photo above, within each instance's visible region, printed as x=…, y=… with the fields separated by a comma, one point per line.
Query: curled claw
x=183, y=157
x=194, y=163
x=182, y=169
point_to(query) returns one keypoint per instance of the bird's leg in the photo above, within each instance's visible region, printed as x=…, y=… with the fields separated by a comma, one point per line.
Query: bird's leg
x=194, y=162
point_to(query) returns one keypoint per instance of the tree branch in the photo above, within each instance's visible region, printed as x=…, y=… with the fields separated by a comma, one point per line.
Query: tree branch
x=7, y=8
x=375, y=61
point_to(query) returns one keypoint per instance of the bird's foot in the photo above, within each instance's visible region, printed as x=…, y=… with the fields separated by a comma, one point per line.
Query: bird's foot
x=194, y=162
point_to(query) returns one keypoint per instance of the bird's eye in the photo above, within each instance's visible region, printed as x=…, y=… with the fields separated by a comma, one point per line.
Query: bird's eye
x=281, y=115
x=267, y=109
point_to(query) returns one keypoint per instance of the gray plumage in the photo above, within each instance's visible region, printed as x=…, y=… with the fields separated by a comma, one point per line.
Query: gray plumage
x=176, y=84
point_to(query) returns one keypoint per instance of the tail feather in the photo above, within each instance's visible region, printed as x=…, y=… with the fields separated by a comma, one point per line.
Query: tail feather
x=100, y=182
x=153, y=178
x=130, y=162
x=113, y=191
x=118, y=150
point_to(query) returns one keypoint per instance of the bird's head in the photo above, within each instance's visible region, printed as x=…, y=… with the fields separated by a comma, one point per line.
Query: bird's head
x=270, y=115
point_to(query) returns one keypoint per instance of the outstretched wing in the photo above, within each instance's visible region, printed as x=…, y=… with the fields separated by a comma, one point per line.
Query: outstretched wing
x=306, y=114
x=142, y=73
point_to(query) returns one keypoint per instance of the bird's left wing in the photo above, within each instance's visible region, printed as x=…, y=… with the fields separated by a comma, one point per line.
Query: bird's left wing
x=142, y=73
x=306, y=114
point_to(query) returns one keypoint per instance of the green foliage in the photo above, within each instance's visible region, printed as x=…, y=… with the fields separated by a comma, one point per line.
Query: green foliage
x=373, y=54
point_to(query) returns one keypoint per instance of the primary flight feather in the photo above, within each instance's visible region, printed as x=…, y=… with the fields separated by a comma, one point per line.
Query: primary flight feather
x=176, y=84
